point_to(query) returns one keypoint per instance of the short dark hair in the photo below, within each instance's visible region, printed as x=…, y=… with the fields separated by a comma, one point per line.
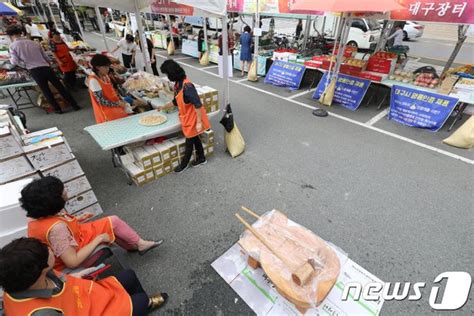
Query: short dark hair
x=247, y=29
x=51, y=25
x=43, y=197
x=173, y=70
x=13, y=30
x=100, y=60
x=21, y=263
x=55, y=32
x=129, y=38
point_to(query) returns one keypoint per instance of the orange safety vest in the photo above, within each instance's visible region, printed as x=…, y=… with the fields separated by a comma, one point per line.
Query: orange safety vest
x=79, y=297
x=106, y=113
x=188, y=116
x=83, y=233
x=62, y=54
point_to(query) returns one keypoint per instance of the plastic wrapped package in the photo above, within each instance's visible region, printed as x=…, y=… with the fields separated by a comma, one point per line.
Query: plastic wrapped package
x=143, y=81
x=299, y=248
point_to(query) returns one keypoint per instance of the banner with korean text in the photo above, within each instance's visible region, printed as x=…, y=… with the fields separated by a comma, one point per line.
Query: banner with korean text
x=452, y=11
x=283, y=74
x=418, y=108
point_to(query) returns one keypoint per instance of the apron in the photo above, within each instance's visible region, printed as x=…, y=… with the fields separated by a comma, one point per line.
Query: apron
x=62, y=53
x=188, y=116
x=83, y=233
x=106, y=113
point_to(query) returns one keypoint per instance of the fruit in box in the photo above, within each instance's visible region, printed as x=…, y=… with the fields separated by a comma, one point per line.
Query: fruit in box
x=427, y=80
x=402, y=76
x=355, y=62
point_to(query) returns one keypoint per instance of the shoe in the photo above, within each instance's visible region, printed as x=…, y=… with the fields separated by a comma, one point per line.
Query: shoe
x=157, y=301
x=180, y=168
x=199, y=162
x=157, y=244
x=58, y=111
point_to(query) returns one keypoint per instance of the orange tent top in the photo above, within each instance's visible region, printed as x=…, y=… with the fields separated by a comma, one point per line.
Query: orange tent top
x=347, y=5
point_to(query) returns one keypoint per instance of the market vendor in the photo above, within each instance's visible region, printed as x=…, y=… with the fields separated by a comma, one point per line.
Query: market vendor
x=245, y=51
x=192, y=114
x=32, y=30
x=30, y=55
x=63, y=57
x=128, y=49
x=397, y=36
x=33, y=288
x=73, y=242
x=106, y=102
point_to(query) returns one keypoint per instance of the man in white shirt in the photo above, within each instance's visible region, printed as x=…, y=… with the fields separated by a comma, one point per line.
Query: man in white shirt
x=397, y=36
x=32, y=30
x=128, y=48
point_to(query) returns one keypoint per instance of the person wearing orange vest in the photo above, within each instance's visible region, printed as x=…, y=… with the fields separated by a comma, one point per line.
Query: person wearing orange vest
x=72, y=241
x=192, y=114
x=33, y=288
x=63, y=57
x=106, y=102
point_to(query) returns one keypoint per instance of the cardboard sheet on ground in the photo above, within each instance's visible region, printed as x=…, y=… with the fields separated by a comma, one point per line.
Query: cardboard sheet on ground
x=258, y=292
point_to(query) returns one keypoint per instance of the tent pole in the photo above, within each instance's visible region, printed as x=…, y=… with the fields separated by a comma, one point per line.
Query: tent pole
x=306, y=31
x=143, y=42
x=77, y=19
x=257, y=38
x=387, y=29
x=205, y=34
x=342, y=45
x=225, y=59
x=462, y=31
x=101, y=27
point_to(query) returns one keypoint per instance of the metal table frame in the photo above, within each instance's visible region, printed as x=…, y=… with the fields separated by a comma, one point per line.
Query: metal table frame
x=16, y=95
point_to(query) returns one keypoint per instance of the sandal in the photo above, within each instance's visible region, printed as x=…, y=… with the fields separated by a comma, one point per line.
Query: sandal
x=157, y=243
x=157, y=301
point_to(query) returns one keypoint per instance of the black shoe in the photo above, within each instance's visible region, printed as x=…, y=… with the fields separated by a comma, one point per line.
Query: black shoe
x=180, y=168
x=58, y=111
x=199, y=162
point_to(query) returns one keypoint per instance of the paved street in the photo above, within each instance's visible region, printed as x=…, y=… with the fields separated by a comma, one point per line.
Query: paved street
x=396, y=199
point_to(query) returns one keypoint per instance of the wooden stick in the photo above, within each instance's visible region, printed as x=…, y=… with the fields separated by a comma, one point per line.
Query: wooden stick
x=262, y=239
x=250, y=212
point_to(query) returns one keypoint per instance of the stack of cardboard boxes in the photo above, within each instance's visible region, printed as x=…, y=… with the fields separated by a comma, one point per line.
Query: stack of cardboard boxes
x=147, y=163
x=44, y=153
x=209, y=98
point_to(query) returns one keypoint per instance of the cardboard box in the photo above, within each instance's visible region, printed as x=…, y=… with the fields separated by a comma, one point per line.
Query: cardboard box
x=150, y=175
x=137, y=174
x=45, y=135
x=77, y=186
x=174, y=163
x=167, y=167
x=48, y=155
x=155, y=155
x=207, y=137
x=159, y=171
x=9, y=147
x=80, y=202
x=15, y=168
x=180, y=144
x=371, y=76
x=65, y=171
x=209, y=150
x=142, y=157
x=165, y=150
x=89, y=213
x=384, y=66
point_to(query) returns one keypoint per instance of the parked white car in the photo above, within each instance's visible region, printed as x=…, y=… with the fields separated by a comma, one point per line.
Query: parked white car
x=412, y=30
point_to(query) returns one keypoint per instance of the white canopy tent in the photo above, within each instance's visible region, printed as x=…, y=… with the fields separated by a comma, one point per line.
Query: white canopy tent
x=135, y=6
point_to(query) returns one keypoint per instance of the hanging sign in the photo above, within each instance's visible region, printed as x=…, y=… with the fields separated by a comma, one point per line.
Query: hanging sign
x=452, y=11
x=267, y=7
x=349, y=93
x=422, y=109
x=283, y=74
x=172, y=8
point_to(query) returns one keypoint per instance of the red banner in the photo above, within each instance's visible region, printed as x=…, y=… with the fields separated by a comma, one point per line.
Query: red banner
x=168, y=7
x=266, y=6
x=452, y=11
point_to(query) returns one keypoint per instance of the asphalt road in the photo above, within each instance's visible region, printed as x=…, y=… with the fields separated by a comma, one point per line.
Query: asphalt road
x=441, y=50
x=401, y=211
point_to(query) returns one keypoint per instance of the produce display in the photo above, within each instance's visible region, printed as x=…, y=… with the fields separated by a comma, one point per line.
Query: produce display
x=402, y=76
x=385, y=55
x=152, y=120
x=427, y=80
x=355, y=62
x=10, y=77
x=143, y=81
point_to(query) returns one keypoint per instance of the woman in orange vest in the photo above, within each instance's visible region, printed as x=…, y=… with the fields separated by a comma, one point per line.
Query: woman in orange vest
x=71, y=241
x=33, y=288
x=63, y=57
x=192, y=114
x=106, y=102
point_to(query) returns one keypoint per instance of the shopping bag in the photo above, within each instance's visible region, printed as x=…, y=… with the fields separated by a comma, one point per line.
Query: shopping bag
x=234, y=141
x=228, y=119
x=252, y=75
x=204, y=61
x=171, y=47
x=204, y=47
x=463, y=137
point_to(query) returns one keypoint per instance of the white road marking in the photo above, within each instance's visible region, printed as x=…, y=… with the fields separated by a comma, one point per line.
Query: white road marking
x=378, y=117
x=300, y=94
x=241, y=80
x=210, y=67
x=376, y=129
x=109, y=38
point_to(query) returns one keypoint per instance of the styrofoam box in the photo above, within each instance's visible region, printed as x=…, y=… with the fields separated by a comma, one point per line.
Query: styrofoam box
x=77, y=186
x=14, y=168
x=42, y=136
x=12, y=216
x=94, y=209
x=49, y=156
x=66, y=171
x=9, y=147
x=7, y=238
x=80, y=202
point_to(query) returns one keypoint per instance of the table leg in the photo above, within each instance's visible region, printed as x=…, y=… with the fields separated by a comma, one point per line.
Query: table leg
x=117, y=162
x=12, y=96
x=458, y=116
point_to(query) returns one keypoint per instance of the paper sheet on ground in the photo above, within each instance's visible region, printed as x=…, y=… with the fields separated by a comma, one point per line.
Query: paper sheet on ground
x=258, y=292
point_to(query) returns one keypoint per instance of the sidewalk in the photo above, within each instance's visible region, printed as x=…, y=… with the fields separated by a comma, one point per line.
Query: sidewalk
x=443, y=31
